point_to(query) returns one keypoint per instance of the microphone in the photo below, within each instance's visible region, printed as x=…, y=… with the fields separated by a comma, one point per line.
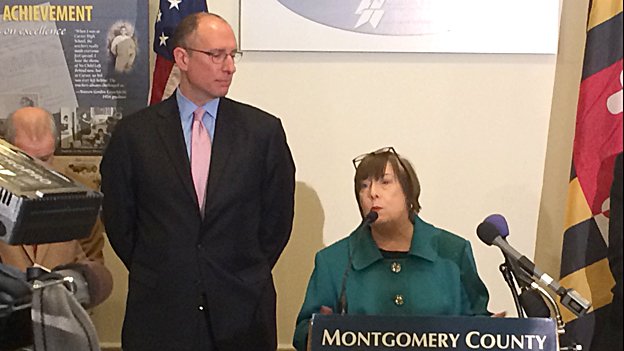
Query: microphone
x=500, y=223
x=529, y=300
x=533, y=304
x=370, y=218
x=342, y=300
x=489, y=234
x=524, y=281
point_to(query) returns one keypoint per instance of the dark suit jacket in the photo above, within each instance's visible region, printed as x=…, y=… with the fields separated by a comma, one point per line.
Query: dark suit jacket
x=616, y=231
x=608, y=332
x=185, y=271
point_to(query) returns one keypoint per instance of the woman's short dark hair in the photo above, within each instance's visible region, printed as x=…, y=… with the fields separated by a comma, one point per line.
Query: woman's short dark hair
x=373, y=166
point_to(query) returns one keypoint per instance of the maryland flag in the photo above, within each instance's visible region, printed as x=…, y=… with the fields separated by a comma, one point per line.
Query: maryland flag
x=597, y=141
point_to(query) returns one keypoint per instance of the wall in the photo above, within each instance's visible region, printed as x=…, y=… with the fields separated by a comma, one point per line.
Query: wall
x=486, y=134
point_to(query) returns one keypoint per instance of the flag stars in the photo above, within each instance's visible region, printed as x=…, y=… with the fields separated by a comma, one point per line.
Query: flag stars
x=159, y=16
x=163, y=39
x=174, y=3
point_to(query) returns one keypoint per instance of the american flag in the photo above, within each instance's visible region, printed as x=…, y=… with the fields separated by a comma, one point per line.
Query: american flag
x=170, y=13
x=598, y=139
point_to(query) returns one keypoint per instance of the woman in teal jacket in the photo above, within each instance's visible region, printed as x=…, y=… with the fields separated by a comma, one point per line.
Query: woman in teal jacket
x=394, y=263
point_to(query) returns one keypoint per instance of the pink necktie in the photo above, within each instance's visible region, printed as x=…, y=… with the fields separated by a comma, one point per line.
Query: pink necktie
x=200, y=155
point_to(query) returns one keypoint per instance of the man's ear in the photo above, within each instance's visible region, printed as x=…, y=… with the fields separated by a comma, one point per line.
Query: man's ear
x=180, y=56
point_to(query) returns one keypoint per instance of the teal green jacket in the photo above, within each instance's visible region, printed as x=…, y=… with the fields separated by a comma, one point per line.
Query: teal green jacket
x=438, y=277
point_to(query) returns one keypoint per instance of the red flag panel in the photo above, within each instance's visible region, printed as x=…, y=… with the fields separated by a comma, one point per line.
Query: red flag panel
x=598, y=134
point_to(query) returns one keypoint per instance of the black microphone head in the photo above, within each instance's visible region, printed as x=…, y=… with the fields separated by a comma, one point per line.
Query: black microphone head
x=533, y=304
x=371, y=217
x=487, y=232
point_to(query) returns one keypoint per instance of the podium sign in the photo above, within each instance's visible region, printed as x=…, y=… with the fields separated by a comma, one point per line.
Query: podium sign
x=363, y=333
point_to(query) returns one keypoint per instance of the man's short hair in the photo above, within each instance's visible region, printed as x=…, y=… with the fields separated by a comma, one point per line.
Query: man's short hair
x=187, y=26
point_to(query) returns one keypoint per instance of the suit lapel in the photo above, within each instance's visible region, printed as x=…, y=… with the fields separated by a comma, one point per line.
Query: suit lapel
x=225, y=140
x=172, y=138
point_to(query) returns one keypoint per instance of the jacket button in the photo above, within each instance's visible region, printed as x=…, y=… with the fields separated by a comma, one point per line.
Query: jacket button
x=201, y=308
x=395, y=267
x=398, y=300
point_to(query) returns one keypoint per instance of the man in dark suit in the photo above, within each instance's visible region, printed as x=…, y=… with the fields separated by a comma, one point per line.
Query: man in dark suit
x=199, y=271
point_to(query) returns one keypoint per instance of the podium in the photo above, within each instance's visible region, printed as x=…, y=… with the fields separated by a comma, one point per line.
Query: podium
x=363, y=333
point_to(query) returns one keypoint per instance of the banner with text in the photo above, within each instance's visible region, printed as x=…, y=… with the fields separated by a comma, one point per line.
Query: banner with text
x=352, y=332
x=87, y=62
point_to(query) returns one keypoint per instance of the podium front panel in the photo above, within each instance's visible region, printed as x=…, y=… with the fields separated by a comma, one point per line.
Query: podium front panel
x=362, y=333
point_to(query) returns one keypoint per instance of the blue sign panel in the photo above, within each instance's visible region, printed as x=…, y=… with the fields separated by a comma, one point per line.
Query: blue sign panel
x=335, y=333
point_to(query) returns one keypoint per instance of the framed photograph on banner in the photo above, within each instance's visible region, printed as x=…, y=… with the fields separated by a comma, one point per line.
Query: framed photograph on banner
x=445, y=26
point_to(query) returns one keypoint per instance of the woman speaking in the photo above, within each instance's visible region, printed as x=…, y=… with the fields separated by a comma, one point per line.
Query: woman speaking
x=394, y=263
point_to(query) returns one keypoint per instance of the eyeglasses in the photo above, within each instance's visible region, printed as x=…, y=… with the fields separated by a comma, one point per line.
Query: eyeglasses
x=390, y=149
x=218, y=56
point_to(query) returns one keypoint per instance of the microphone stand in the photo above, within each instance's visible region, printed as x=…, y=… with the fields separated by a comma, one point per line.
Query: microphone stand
x=509, y=279
x=554, y=307
x=512, y=281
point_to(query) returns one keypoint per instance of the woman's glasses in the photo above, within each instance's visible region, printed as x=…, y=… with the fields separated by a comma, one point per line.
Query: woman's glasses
x=390, y=149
